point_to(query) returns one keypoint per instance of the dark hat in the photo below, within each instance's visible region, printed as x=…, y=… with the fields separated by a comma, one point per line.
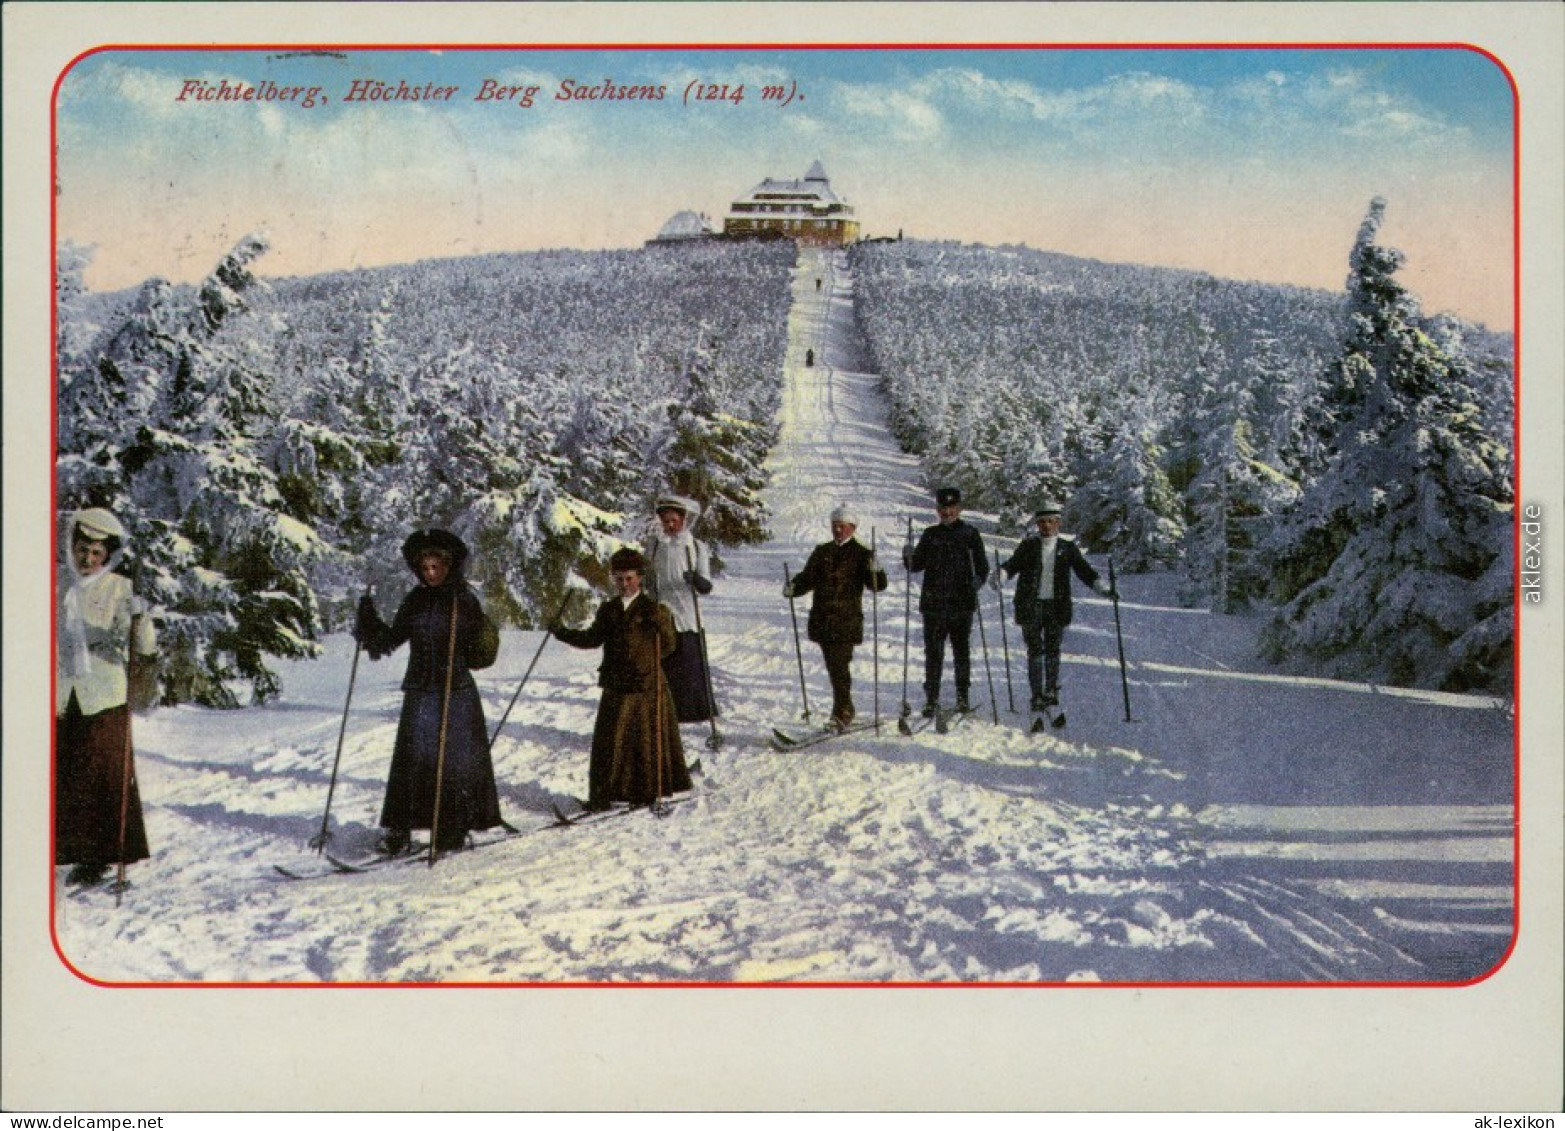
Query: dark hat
x=442, y=542
x=948, y=497
x=1046, y=510
x=627, y=559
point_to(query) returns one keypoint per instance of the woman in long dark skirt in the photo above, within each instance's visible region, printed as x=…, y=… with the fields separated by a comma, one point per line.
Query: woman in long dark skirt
x=679, y=573
x=637, y=755
x=448, y=637
x=97, y=805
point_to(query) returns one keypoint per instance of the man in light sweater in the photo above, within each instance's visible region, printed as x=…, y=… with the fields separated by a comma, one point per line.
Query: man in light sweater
x=1045, y=562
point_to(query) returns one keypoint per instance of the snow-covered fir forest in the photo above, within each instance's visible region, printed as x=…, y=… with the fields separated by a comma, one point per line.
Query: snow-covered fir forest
x=269, y=446
x=1307, y=497
x=1339, y=458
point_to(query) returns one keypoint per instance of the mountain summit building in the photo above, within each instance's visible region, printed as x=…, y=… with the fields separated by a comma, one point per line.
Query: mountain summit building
x=805, y=210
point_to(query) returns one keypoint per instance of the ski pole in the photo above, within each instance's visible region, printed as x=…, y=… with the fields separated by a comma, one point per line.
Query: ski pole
x=1010, y=694
x=120, y=883
x=874, y=609
x=440, y=750
x=714, y=741
x=798, y=651
x=1119, y=638
x=548, y=631
x=907, y=625
x=321, y=839
x=659, y=808
x=983, y=640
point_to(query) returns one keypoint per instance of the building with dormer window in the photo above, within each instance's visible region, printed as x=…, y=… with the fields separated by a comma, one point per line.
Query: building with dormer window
x=805, y=210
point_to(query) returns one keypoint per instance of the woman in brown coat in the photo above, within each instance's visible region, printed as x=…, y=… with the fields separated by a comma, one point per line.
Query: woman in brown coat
x=637, y=755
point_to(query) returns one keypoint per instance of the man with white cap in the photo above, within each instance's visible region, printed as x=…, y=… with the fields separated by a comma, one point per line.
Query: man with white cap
x=838, y=572
x=1045, y=561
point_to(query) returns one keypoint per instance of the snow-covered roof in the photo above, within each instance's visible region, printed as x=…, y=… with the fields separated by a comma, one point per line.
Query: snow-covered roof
x=686, y=225
x=813, y=186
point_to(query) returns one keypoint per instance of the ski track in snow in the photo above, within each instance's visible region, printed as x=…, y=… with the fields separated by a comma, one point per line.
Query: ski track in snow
x=1245, y=826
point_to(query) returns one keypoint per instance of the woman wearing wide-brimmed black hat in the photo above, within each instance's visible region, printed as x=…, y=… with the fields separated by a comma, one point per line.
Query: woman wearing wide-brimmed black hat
x=442, y=731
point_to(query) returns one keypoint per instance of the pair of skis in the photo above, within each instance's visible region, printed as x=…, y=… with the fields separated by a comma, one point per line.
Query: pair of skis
x=335, y=865
x=782, y=740
x=1050, y=714
x=944, y=720
x=331, y=864
x=586, y=816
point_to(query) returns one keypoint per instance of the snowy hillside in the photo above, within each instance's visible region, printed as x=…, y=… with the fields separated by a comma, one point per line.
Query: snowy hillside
x=1246, y=826
x=1341, y=460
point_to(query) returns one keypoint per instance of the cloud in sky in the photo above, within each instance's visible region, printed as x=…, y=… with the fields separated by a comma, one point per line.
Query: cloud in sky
x=1257, y=163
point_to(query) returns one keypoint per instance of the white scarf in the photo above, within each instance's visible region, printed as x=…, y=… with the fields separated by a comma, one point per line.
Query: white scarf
x=1048, y=548
x=73, y=633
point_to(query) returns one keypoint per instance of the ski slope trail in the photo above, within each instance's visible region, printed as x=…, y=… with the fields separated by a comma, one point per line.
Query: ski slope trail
x=1242, y=826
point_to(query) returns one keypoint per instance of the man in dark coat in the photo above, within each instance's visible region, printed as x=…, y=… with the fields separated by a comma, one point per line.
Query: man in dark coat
x=1045, y=561
x=441, y=734
x=950, y=555
x=837, y=573
x=637, y=754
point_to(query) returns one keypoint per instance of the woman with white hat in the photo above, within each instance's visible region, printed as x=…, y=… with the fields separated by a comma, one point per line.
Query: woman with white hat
x=97, y=805
x=677, y=563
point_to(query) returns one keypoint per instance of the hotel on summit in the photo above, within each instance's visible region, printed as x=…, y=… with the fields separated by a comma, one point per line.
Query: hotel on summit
x=805, y=210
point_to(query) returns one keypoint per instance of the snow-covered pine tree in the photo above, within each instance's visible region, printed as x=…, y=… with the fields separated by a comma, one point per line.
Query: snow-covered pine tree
x=1387, y=567
x=1033, y=465
x=481, y=461
x=169, y=415
x=335, y=451
x=1234, y=493
x=1124, y=505
x=715, y=458
x=107, y=381
x=76, y=329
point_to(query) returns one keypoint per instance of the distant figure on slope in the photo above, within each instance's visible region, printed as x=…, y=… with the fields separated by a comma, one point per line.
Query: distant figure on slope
x=637, y=754
x=837, y=573
x=678, y=562
x=1045, y=561
x=448, y=637
x=950, y=555
x=101, y=623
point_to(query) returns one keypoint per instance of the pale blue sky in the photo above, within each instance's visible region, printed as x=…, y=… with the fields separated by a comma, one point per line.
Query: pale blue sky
x=1252, y=163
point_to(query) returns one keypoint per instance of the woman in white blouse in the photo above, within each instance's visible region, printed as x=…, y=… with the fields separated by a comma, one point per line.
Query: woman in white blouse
x=97, y=807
